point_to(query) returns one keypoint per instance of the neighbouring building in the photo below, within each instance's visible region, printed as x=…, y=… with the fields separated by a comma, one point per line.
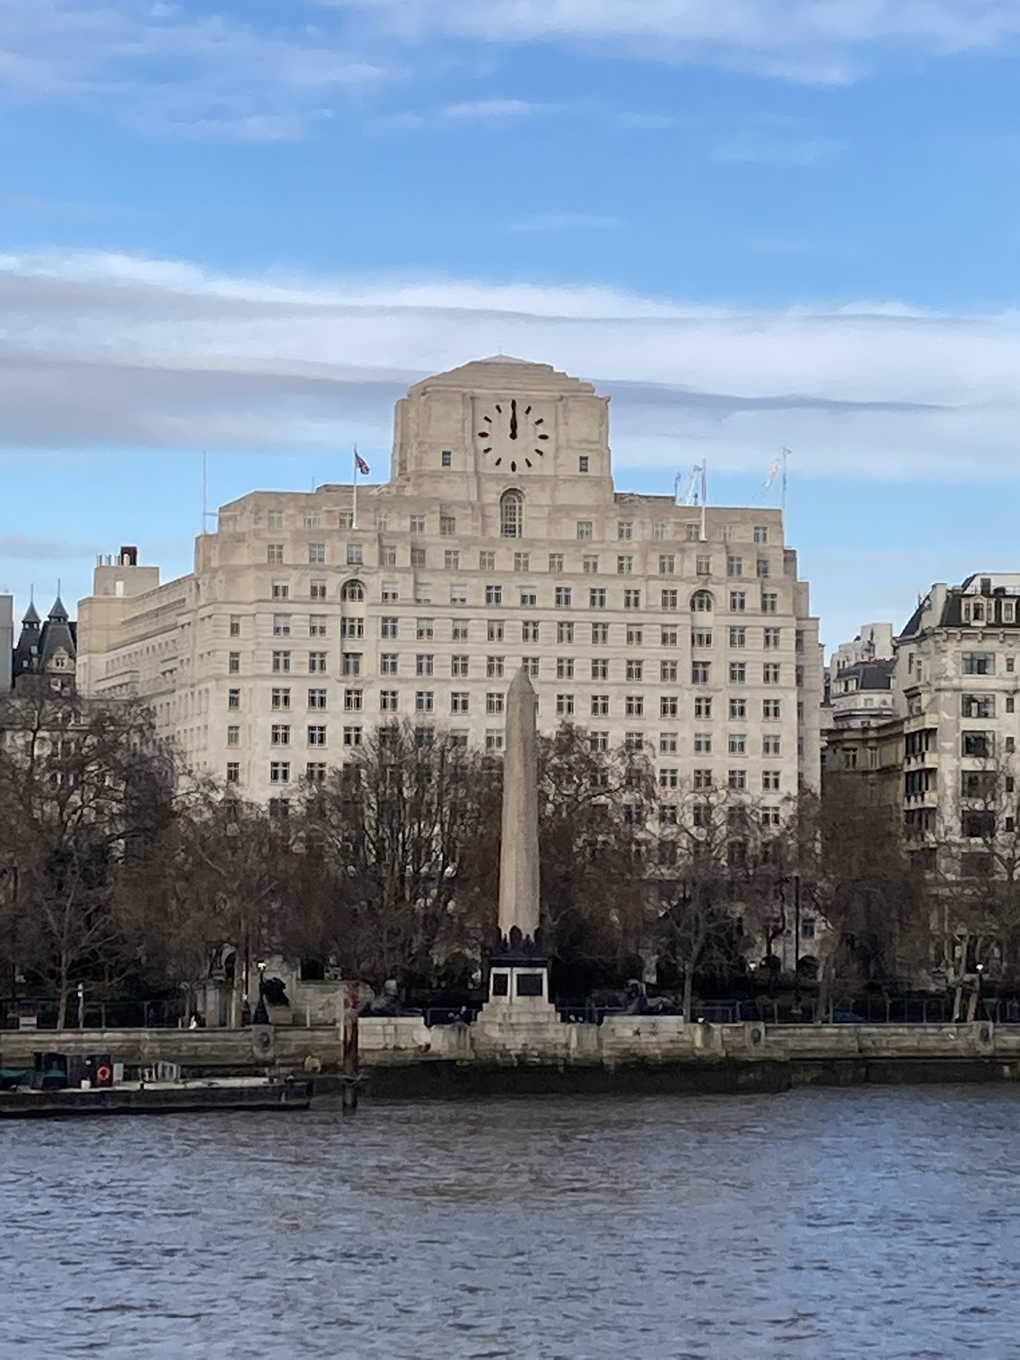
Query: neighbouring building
x=43, y=648
x=859, y=680
x=499, y=541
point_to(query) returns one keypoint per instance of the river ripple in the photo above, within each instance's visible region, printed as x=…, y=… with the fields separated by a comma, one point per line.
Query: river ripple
x=815, y=1225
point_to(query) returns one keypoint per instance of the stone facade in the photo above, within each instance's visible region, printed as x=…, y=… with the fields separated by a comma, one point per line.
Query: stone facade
x=499, y=541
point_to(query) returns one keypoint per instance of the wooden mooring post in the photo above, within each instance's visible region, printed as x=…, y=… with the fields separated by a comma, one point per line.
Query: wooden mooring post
x=349, y=1088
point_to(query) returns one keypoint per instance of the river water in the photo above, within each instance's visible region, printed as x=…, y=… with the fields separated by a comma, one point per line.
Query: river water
x=815, y=1225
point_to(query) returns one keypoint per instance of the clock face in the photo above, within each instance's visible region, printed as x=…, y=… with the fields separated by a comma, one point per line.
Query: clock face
x=512, y=434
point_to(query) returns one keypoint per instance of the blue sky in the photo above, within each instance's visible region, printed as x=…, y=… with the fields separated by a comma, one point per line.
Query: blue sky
x=247, y=228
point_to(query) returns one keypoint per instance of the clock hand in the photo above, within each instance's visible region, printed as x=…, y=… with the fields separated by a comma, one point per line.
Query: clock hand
x=513, y=420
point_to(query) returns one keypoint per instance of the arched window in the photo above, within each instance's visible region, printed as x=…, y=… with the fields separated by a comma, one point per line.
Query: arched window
x=352, y=590
x=511, y=514
x=701, y=602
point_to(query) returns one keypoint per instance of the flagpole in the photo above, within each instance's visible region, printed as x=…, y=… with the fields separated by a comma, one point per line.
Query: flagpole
x=354, y=517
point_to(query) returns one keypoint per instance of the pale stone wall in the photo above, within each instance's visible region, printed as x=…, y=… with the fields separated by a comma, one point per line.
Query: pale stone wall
x=597, y=594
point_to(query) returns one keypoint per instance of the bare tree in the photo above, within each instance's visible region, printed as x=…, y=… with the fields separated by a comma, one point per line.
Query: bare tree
x=83, y=788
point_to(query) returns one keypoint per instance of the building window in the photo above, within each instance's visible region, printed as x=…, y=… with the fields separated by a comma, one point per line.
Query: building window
x=281, y=661
x=424, y=701
x=458, y=666
x=493, y=595
x=625, y=565
x=702, y=779
x=738, y=673
x=770, y=744
x=353, y=700
x=459, y=701
x=233, y=772
x=494, y=701
x=564, y=668
x=274, y=554
x=233, y=736
x=495, y=630
x=486, y=561
x=279, y=772
x=280, y=590
x=522, y=561
x=701, y=602
x=388, y=663
x=738, y=601
x=701, y=637
x=669, y=637
x=316, y=663
x=388, y=626
x=634, y=706
x=669, y=599
x=511, y=515
x=564, y=705
x=582, y=463
x=529, y=630
x=388, y=701
x=556, y=564
x=669, y=706
x=584, y=529
x=274, y=519
x=600, y=668
x=761, y=533
x=234, y=663
x=446, y=458
x=315, y=772
x=668, y=672
x=279, y=735
x=416, y=524
x=700, y=672
x=737, y=781
x=703, y=706
x=737, y=744
x=770, y=673
x=702, y=743
x=590, y=564
x=734, y=566
x=769, y=602
x=419, y=557
x=600, y=705
x=596, y=598
x=625, y=529
x=317, y=553
x=493, y=739
x=563, y=595
x=738, y=710
x=738, y=637
x=494, y=667
x=667, y=564
x=667, y=743
x=317, y=626
x=459, y=630
x=280, y=698
x=451, y=559
x=598, y=741
x=387, y=555
x=632, y=599
x=530, y=664
x=235, y=626
x=771, y=637
x=233, y=698
x=979, y=663
x=635, y=670
x=425, y=630
x=764, y=570
x=978, y=706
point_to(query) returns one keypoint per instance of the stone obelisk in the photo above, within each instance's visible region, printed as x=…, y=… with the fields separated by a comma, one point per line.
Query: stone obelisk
x=518, y=970
x=518, y=855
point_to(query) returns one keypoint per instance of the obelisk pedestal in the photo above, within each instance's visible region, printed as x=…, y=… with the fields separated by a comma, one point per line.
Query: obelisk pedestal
x=518, y=969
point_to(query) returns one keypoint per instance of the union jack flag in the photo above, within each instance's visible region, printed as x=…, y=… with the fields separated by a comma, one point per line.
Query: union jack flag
x=361, y=465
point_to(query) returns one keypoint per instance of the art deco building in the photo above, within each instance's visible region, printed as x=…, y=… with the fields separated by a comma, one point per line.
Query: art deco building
x=499, y=541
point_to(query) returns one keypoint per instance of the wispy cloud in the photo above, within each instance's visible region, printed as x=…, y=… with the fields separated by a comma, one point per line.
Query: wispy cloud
x=797, y=39
x=113, y=351
x=171, y=70
x=42, y=549
x=567, y=222
x=485, y=110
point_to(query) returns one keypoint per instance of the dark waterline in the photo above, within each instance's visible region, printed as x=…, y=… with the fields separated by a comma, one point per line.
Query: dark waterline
x=816, y=1225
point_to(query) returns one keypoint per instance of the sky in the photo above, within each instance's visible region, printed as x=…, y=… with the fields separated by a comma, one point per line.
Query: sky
x=245, y=229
